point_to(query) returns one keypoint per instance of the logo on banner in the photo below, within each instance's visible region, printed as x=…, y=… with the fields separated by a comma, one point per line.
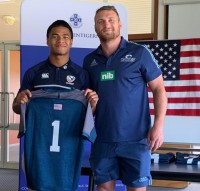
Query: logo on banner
x=24, y=188
x=76, y=21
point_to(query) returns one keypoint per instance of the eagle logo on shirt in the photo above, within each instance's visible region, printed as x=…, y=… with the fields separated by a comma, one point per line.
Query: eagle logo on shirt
x=128, y=58
x=70, y=79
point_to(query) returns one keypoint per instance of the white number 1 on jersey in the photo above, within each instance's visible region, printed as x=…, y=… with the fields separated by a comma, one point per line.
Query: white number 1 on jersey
x=55, y=147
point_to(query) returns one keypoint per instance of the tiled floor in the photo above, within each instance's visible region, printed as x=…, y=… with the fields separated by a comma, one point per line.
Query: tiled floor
x=9, y=182
x=191, y=187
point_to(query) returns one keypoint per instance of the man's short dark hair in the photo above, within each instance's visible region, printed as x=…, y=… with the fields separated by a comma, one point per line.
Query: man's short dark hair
x=59, y=23
x=107, y=8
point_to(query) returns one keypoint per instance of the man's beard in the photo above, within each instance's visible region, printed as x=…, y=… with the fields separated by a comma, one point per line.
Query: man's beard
x=107, y=38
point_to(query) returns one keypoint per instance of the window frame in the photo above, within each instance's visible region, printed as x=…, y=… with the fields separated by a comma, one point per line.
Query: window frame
x=148, y=36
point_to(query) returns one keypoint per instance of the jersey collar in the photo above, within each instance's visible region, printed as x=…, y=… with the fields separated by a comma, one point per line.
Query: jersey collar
x=122, y=45
x=64, y=67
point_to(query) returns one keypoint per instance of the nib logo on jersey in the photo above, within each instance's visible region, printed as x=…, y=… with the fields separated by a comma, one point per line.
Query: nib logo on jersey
x=70, y=79
x=107, y=75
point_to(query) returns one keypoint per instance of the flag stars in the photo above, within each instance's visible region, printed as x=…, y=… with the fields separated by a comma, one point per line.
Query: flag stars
x=174, y=76
x=169, y=72
x=167, y=54
x=169, y=64
x=164, y=76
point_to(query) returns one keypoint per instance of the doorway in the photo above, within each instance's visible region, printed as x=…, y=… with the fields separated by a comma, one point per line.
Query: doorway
x=9, y=121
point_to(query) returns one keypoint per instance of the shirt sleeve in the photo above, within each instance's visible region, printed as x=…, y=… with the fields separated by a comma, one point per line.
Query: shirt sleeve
x=150, y=67
x=27, y=82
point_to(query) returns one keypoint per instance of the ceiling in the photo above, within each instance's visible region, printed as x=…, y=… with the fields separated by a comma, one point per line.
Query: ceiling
x=10, y=32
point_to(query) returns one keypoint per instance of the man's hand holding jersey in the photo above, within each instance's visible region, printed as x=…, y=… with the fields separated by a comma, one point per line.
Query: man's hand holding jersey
x=92, y=97
x=21, y=98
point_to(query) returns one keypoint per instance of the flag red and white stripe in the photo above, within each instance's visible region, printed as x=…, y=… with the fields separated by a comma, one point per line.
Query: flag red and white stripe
x=180, y=63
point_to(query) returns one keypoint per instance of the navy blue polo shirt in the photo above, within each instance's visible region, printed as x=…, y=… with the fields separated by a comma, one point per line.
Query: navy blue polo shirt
x=120, y=81
x=45, y=75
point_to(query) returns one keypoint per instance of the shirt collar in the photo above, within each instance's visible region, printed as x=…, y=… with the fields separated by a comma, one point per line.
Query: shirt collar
x=64, y=67
x=122, y=45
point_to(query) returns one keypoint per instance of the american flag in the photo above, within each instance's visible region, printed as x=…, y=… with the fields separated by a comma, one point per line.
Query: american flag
x=179, y=61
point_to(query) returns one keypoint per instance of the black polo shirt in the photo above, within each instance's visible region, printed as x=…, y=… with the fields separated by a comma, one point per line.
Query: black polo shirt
x=45, y=75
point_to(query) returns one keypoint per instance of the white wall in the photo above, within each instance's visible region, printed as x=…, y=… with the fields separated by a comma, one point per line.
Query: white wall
x=183, y=19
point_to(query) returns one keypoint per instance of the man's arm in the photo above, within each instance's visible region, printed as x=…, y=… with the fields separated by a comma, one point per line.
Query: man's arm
x=22, y=97
x=155, y=136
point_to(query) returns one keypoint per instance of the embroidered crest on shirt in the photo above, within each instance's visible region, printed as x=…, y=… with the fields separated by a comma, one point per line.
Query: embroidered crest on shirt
x=94, y=63
x=70, y=79
x=45, y=75
x=128, y=58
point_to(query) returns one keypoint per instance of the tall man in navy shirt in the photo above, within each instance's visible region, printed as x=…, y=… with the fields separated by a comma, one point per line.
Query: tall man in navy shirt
x=119, y=72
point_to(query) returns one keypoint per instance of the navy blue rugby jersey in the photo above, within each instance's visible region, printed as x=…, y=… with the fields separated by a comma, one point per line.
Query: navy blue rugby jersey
x=45, y=75
x=122, y=112
x=53, y=123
